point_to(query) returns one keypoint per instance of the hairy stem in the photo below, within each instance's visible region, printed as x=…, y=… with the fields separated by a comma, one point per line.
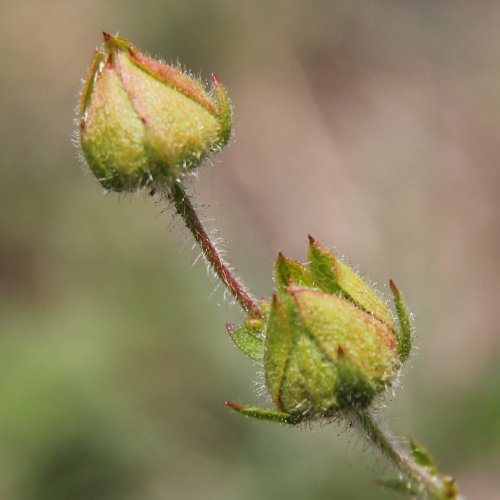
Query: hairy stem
x=234, y=284
x=436, y=486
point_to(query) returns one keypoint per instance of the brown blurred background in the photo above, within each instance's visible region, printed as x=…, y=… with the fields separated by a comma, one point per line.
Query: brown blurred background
x=373, y=125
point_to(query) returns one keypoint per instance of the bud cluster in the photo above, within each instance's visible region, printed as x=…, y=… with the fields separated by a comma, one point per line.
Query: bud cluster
x=326, y=340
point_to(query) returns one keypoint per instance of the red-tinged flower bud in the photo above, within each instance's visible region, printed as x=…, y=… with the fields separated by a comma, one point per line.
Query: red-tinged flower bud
x=328, y=344
x=146, y=123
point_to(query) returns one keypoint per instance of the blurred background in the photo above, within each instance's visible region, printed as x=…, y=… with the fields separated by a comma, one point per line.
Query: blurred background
x=372, y=125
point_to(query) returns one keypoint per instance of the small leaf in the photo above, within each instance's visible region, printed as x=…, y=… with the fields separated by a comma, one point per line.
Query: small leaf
x=400, y=486
x=422, y=456
x=287, y=270
x=249, y=342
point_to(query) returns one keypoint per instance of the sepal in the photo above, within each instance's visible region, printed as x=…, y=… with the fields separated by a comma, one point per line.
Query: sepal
x=354, y=389
x=262, y=414
x=405, y=335
x=224, y=111
x=333, y=276
x=287, y=271
x=277, y=349
x=248, y=341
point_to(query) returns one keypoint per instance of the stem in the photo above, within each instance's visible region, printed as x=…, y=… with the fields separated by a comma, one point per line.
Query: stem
x=234, y=284
x=436, y=486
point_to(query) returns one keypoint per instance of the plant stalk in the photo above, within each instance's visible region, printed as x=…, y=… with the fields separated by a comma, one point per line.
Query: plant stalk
x=436, y=486
x=185, y=209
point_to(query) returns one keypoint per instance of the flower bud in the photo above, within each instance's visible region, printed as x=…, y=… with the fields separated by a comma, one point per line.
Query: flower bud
x=328, y=343
x=324, y=354
x=143, y=122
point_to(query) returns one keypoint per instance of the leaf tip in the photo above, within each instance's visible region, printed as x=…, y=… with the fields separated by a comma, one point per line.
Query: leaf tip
x=234, y=405
x=312, y=241
x=394, y=288
x=231, y=327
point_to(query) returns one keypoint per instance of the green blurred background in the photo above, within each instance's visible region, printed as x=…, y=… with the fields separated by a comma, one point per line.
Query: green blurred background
x=373, y=125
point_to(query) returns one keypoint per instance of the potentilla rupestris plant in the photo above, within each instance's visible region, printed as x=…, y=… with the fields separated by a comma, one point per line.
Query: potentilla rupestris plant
x=327, y=341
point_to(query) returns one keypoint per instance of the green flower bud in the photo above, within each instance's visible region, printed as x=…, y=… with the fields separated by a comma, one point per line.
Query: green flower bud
x=323, y=354
x=143, y=122
x=328, y=343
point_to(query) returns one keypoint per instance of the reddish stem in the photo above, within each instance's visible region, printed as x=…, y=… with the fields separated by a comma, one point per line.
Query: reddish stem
x=186, y=210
